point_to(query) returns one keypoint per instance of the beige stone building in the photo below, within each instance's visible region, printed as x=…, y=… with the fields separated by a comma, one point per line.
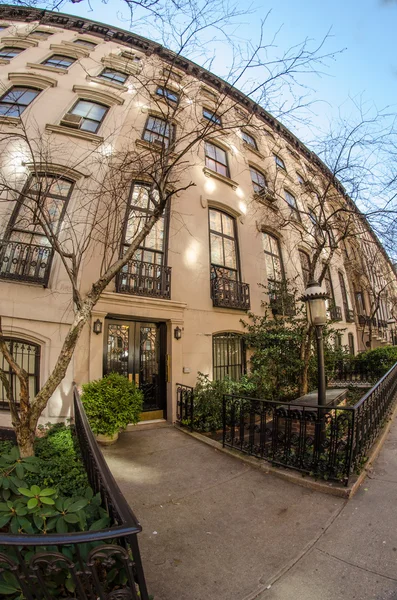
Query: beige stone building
x=82, y=94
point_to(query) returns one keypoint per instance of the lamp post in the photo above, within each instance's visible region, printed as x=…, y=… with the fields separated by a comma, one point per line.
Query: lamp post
x=315, y=297
x=391, y=322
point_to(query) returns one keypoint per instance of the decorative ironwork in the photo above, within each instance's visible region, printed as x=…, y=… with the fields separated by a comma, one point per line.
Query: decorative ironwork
x=27, y=355
x=228, y=293
x=87, y=557
x=329, y=442
x=144, y=279
x=335, y=313
x=25, y=262
x=351, y=373
x=185, y=405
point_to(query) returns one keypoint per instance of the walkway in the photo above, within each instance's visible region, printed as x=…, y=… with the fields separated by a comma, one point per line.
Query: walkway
x=216, y=529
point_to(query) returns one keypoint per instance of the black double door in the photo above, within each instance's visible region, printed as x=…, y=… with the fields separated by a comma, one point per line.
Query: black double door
x=136, y=349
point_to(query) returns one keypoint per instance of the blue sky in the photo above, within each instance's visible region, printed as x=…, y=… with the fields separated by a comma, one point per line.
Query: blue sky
x=366, y=28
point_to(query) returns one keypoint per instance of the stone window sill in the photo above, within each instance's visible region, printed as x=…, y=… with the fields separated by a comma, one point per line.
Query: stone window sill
x=117, y=86
x=152, y=147
x=209, y=173
x=266, y=202
x=69, y=131
x=15, y=121
x=253, y=150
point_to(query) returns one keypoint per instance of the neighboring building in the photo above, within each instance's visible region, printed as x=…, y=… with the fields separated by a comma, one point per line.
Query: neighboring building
x=79, y=83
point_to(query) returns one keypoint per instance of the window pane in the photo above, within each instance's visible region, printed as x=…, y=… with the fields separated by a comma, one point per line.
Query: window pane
x=216, y=220
x=210, y=150
x=82, y=108
x=220, y=155
x=229, y=356
x=216, y=249
x=230, y=253
x=228, y=225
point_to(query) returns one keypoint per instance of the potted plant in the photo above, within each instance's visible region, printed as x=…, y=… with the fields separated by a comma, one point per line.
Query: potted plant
x=111, y=403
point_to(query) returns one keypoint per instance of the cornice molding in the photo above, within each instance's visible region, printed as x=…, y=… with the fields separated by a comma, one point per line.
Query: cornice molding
x=19, y=42
x=89, y=93
x=39, y=81
x=56, y=169
x=69, y=49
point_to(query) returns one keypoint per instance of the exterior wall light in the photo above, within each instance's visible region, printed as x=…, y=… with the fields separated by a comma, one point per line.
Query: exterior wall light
x=97, y=327
x=177, y=333
x=315, y=297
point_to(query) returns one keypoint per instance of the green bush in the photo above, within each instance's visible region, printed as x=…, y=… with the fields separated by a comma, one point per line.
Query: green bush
x=377, y=362
x=60, y=461
x=111, y=403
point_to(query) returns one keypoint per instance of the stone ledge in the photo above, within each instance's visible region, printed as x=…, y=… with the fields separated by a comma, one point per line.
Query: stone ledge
x=83, y=135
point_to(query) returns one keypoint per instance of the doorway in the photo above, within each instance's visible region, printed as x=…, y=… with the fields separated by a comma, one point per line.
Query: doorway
x=137, y=350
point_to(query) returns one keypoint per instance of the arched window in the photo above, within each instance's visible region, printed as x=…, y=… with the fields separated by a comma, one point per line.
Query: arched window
x=228, y=354
x=223, y=245
x=27, y=356
x=305, y=266
x=274, y=263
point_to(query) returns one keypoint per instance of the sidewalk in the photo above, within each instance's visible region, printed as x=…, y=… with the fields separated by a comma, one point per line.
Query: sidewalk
x=216, y=529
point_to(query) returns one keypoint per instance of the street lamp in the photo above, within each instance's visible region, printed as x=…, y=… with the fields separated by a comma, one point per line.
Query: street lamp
x=391, y=322
x=315, y=297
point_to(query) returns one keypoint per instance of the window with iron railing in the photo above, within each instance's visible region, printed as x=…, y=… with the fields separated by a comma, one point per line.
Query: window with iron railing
x=228, y=356
x=27, y=356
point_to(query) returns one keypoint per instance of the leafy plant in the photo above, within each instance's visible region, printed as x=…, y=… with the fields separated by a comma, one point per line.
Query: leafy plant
x=378, y=361
x=111, y=403
x=13, y=470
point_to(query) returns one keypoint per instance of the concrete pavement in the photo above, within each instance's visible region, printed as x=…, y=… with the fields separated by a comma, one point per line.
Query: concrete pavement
x=215, y=528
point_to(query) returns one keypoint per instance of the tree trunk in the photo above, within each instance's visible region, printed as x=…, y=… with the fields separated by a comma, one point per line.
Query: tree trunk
x=25, y=440
x=305, y=356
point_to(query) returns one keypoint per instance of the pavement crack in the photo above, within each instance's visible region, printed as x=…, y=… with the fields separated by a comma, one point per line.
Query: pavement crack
x=347, y=562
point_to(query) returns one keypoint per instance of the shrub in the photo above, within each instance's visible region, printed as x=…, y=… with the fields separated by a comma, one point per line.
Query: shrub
x=377, y=362
x=111, y=403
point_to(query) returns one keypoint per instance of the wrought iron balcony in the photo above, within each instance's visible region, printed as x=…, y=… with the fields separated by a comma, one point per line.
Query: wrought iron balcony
x=25, y=262
x=144, y=279
x=229, y=293
x=335, y=313
x=349, y=315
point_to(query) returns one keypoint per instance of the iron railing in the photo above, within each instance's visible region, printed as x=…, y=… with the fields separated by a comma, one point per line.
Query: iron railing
x=88, y=556
x=184, y=405
x=353, y=373
x=329, y=442
x=25, y=262
x=229, y=293
x=144, y=279
x=335, y=313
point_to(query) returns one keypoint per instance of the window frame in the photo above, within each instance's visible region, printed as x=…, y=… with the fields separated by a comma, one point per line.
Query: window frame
x=223, y=268
x=294, y=206
x=11, y=48
x=165, y=217
x=109, y=79
x=345, y=297
x=46, y=62
x=280, y=164
x=166, y=91
x=304, y=270
x=226, y=164
x=85, y=43
x=254, y=146
x=329, y=287
x=228, y=336
x=282, y=281
x=261, y=188
x=211, y=116
x=172, y=132
x=12, y=378
x=19, y=87
x=351, y=344
x=82, y=99
x=25, y=190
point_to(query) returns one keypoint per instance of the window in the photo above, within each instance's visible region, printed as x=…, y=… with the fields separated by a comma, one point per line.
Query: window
x=27, y=355
x=329, y=287
x=141, y=207
x=85, y=43
x=3, y=27
x=211, y=116
x=228, y=354
x=279, y=162
x=91, y=113
x=350, y=338
x=249, y=140
x=59, y=61
x=9, y=52
x=258, y=180
x=274, y=266
x=291, y=201
x=305, y=266
x=360, y=304
x=158, y=131
x=40, y=34
x=113, y=75
x=301, y=181
x=344, y=295
x=216, y=159
x=223, y=246
x=168, y=94
x=50, y=194
x=338, y=340
x=14, y=102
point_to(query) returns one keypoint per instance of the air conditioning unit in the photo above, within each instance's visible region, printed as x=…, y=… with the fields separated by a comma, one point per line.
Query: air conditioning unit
x=73, y=121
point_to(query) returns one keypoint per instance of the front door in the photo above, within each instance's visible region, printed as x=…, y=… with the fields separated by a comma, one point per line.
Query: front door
x=136, y=349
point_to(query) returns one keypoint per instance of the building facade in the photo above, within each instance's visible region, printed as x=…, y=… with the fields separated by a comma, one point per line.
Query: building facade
x=78, y=98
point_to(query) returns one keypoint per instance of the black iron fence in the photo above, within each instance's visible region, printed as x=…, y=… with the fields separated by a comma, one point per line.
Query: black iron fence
x=184, y=405
x=25, y=262
x=144, y=279
x=351, y=373
x=329, y=442
x=89, y=558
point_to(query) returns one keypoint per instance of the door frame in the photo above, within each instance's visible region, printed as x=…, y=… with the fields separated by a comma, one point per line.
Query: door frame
x=162, y=332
